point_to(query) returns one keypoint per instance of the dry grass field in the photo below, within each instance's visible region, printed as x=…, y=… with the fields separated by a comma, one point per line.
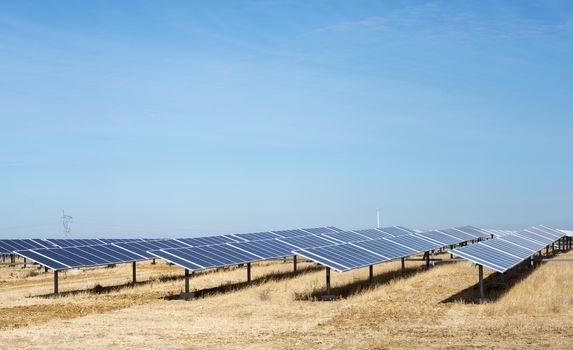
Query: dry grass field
x=435, y=308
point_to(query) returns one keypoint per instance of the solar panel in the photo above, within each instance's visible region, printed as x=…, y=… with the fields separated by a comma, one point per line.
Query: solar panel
x=487, y=256
x=535, y=237
x=396, y=230
x=84, y=256
x=510, y=248
x=198, y=258
x=440, y=237
x=547, y=232
x=319, y=230
x=43, y=260
x=335, y=228
x=346, y=236
x=474, y=231
x=141, y=248
x=7, y=246
x=207, y=240
x=308, y=241
x=341, y=257
x=266, y=249
x=458, y=234
x=555, y=232
x=522, y=242
x=373, y=233
x=386, y=248
x=256, y=236
x=416, y=243
x=292, y=233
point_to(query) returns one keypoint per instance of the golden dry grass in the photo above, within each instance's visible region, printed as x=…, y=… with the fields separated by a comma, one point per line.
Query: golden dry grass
x=433, y=308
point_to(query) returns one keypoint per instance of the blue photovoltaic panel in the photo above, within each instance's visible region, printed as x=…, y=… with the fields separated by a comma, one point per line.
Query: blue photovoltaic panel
x=440, y=237
x=535, y=237
x=373, y=233
x=291, y=233
x=474, y=231
x=42, y=260
x=8, y=246
x=62, y=243
x=410, y=231
x=207, y=256
x=416, y=243
x=522, y=242
x=308, y=241
x=554, y=232
x=174, y=258
x=395, y=231
x=509, y=248
x=256, y=236
x=140, y=248
x=386, y=248
x=208, y=240
x=82, y=256
x=487, y=256
x=341, y=257
x=458, y=234
x=319, y=230
x=265, y=249
x=335, y=228
x=346, y=236
x=546, y=233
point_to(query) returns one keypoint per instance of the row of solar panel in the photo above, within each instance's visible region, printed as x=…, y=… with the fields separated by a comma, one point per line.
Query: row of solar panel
x=8, y=246
x=352, y=255
x=504, y=252
x=205, y=256
x=338, y=254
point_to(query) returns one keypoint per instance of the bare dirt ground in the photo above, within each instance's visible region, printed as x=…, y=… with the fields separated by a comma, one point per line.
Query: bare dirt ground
x=435, y=308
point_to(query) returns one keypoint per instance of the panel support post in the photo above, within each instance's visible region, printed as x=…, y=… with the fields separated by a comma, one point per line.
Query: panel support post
x=427, y=260
x=186, y=295
x=294, y=264
x=25, y=262
x=403, y=266
x=370, y=273
x=328, y=281
x=547, y=251
x=481, y=291
x=133, y=272
x=45, y=269
x=56, y=282
x=249, y=272
x=153, y=262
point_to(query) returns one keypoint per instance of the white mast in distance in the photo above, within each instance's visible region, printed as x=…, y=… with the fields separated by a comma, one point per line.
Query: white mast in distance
x=377, y=218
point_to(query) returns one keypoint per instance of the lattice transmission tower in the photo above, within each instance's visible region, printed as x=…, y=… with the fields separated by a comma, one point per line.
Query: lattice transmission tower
x=66, y=222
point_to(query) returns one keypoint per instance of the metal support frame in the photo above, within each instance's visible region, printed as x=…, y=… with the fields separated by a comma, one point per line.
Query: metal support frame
x=294, y=264
x=370, y=273
x=481, y=289
x=403, y=266
x=427, y=254
x=249, y=272
x=133, y=272
x=186, y=294
x=55, y=281
x=153, y=262
x=328, y=281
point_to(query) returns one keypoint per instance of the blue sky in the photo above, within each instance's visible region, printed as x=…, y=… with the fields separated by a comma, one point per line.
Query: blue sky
x=162, y=118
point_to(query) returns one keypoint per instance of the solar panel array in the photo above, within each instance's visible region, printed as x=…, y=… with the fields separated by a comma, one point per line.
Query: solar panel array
x=503, y=253
x=85, y=256
x=206, y=252
x=365, y=252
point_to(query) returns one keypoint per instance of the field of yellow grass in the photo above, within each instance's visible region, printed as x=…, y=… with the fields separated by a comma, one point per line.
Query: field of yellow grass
x=435, y=308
